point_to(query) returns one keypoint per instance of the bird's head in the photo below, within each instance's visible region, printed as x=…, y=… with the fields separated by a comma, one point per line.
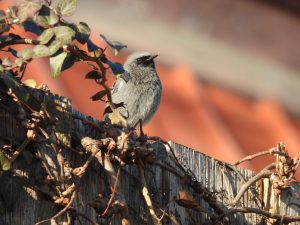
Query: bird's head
x=140, y=60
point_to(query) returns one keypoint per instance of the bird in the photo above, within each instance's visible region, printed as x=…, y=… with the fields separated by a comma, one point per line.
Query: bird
x=137, y=92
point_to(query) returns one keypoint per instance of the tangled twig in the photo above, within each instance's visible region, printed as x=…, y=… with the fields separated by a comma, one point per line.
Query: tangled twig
x=266, y=172
x=63, y=211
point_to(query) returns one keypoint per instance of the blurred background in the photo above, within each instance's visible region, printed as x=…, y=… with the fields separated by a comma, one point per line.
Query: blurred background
x=230, y=70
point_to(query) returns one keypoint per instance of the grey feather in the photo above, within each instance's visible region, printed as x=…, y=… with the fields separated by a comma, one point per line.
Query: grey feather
x=141, y=93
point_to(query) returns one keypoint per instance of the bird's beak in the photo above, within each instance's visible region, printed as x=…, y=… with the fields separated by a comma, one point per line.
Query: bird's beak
x=153, y=57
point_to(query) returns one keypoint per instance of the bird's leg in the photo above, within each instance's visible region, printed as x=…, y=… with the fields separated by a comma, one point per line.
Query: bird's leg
x=140, y=122
x=141, y=127
x=143, y=136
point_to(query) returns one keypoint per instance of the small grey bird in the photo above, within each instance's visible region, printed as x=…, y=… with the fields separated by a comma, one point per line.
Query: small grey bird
x=137, y=92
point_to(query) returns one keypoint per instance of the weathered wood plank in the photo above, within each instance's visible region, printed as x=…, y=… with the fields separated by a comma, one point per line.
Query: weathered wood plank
x=231, y=179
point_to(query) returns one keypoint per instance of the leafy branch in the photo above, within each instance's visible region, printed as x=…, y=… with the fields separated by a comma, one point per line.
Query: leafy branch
x=56, y=39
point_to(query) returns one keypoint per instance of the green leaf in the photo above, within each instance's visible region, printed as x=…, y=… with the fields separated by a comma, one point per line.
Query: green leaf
x=29, y=83
x=83, y=32
x=3, y=24
x=55, y=46
x=46, y=36
x=19, y=62
x=4, y=162
x=46, y=17
x=6, y=62
x=41, y=51
x=64, y=34
x=99, y=95
x=66, y=7
x=56, y=63
x=93, y=75
x=13, y=11
x=60, y=63
x=25, y=53
x=27, y=8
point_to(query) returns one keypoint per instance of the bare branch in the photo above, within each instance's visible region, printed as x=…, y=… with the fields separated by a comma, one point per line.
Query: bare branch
x=266, y=172
x=146, y=195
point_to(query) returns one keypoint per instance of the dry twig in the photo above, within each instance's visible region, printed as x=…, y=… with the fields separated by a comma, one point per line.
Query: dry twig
x=146, y=194
x=266, y=172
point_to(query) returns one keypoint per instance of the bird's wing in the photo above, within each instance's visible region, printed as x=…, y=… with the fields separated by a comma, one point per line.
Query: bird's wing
x=117, y=95
x=118, y=84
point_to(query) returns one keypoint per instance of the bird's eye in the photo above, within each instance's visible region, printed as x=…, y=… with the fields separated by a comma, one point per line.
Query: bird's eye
x=143, y=60
x=140, y=60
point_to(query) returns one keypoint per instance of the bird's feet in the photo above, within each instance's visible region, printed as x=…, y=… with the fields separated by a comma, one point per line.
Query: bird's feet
x=143, y=136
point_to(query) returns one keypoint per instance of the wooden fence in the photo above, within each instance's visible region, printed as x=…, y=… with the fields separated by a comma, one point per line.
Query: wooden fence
x=21, y=203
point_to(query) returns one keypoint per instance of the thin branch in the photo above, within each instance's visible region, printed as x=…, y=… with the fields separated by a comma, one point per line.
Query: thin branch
x=174, y=157
x=164, y=211
x=169, y=168
x=171, y=217
x=23, y=72
x=113, y=193
x=262, y=174
x=285, y=219
x=19, y=150
x=91, y=145
x=59, y=156
x=63, y=211
x=45, y=165
x=250, y=157
x=17, y=100
x=81, y=170
x=102, y=81
x=146, y=195
x=254, y=192
x=22, y=41
x=271, y=151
